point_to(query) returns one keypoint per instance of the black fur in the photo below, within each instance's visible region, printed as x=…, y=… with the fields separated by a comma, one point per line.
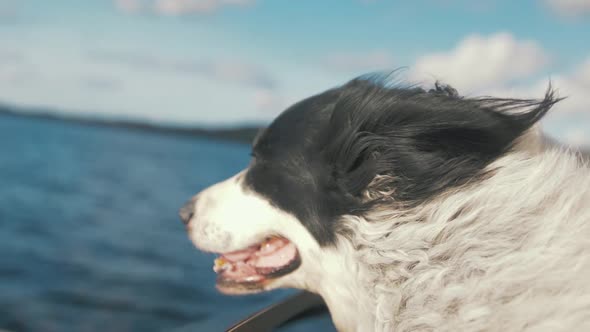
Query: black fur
x=316, y=159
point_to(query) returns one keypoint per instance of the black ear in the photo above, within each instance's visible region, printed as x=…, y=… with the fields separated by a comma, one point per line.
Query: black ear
x=425, y=142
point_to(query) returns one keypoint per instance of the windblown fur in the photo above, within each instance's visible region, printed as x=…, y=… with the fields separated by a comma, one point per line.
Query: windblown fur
x=511, y=253
x=414, y=210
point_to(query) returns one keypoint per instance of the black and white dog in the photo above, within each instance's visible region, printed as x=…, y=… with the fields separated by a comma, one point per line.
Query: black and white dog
x=408, y=210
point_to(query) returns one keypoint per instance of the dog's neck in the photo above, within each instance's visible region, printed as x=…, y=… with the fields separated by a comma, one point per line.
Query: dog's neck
x=344, y=289
x=375, y=269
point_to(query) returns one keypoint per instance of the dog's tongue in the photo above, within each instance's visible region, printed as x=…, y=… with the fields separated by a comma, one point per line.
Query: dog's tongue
x=267, y=249
x=240, y=255
x=252, y=263
x=278, y=257
x=241, y=272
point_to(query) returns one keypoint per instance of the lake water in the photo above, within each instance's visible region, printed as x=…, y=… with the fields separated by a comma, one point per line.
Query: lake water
x=89, y=234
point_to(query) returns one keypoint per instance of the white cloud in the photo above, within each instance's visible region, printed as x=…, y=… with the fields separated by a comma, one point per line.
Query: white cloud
x=574, y=85
x=8, y=56
x=101, y=83
x=129, y=6
x=229, y=71
x=570, y=7
x=569, y=120
x=266, y=100
x=17, y=75
x=238, y=72
x=185, y=7
x=478, y=62
x=501, y=76
x=15, y=67
x=359, y=62
x=577, y=137
x=178, y=7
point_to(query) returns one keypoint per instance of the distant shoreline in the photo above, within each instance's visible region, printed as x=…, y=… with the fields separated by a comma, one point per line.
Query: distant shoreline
x=241, y=134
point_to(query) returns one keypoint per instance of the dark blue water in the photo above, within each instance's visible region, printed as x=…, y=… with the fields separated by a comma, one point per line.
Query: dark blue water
x=89, y=234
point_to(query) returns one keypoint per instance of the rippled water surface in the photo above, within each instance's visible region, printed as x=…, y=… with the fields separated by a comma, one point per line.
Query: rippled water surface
x=89, y=234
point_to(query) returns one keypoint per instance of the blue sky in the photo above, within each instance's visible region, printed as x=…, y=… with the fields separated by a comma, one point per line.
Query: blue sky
x=235, y=61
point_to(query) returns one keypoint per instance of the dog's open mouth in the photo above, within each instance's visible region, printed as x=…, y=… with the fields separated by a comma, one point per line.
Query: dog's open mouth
x=250, y=269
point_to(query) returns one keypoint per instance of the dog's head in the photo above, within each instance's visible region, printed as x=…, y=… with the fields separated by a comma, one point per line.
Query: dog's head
x=342, y=153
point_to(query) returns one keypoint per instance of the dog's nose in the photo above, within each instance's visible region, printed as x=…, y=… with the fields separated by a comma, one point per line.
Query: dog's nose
x=187, y=211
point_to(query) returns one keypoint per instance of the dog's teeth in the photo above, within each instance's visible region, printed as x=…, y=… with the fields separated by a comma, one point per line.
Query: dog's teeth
x=221, y=265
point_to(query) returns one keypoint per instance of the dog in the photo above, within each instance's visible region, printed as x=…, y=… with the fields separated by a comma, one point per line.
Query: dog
x=408, y=209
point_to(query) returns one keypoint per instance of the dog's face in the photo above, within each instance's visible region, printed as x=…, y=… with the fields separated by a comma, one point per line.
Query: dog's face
x=275, y=224
x=270, y=221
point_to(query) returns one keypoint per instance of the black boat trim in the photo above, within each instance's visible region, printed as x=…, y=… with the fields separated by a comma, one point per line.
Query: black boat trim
x=280, y=313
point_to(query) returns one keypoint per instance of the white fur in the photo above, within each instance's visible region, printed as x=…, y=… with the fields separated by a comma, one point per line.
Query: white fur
x=511, y=253
x=228, y=217
x=507, y=253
